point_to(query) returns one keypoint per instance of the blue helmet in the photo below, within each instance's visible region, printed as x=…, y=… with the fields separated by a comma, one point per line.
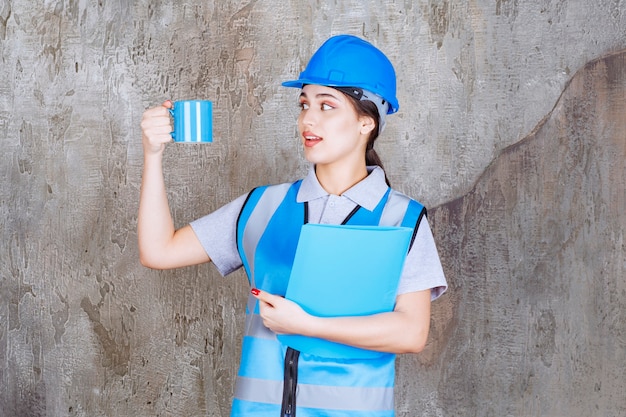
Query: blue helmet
x=348, y=61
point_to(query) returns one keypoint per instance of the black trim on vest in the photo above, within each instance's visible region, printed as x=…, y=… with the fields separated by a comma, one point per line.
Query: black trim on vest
x=352, y=213
x=306, y=212
x=239, y=217
x=417, y=225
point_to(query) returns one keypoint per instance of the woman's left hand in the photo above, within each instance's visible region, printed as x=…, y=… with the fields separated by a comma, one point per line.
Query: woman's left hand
x=280, y=315
x=403, y=330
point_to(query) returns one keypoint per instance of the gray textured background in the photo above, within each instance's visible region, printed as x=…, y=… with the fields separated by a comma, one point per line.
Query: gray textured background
x=511, y=130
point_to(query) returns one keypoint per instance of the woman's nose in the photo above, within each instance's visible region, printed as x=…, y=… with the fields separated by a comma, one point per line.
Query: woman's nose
x=308, y=117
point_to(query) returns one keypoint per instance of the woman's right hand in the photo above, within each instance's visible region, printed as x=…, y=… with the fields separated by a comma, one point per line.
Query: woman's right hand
x=156, y=128
x=161, y=246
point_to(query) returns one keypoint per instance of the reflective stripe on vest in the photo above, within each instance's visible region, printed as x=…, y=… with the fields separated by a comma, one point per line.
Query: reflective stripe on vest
x=268, y=229
x=336, y=398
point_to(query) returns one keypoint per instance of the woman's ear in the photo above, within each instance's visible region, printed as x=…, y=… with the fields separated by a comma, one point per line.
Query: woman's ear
x=367, y=124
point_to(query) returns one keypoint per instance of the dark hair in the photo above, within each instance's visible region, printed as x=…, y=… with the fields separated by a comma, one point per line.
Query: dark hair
x=369, y=109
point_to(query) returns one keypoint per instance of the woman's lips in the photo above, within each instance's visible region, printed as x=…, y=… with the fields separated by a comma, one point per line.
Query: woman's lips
x=310, y=139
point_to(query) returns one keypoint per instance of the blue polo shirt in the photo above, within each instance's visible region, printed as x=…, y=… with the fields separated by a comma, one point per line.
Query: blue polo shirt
x=422, y=268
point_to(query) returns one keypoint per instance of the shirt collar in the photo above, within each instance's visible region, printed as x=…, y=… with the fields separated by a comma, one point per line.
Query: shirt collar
x=366, y=193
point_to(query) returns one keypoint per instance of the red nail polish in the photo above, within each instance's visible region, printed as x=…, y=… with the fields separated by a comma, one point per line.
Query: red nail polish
x=254, y=291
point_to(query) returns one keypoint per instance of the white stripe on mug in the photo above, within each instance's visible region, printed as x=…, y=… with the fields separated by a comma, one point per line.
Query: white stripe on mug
x=198, y=123
x=187, y=113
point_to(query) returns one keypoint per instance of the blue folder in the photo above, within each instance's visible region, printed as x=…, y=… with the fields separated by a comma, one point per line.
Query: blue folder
x=345, y=271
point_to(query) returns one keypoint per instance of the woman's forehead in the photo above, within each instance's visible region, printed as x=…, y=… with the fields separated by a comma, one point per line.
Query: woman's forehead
x=312, y=90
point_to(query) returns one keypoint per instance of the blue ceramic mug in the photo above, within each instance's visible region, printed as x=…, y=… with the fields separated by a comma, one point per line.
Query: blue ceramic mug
x=193, y=121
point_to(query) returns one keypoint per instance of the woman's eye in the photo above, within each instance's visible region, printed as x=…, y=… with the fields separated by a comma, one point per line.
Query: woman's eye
x=323, y=106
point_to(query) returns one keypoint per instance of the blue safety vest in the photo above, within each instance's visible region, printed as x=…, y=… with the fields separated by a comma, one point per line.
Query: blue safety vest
x=268, y=229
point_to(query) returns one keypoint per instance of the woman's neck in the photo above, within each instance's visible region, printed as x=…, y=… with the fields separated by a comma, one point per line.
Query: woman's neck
x=336, y=180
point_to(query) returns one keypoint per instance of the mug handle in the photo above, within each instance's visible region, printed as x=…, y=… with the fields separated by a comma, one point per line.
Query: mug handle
x=173, y=134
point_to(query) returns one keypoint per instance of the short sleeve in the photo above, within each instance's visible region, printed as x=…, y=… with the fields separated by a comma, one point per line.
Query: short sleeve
x=422, y=268
x=217, y=233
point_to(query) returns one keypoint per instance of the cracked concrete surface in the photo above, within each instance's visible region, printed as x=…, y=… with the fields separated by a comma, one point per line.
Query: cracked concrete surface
x=511, y=130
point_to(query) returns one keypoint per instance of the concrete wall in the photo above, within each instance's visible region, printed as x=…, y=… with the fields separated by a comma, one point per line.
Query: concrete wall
x=511, y=130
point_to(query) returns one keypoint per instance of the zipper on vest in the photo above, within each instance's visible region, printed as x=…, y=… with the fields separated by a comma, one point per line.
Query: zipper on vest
x=290, y=383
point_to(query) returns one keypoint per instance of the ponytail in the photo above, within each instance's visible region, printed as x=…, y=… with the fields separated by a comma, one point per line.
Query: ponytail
x=372, y=158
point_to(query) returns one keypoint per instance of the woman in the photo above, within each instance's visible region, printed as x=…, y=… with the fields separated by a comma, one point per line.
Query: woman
x=347, y=90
